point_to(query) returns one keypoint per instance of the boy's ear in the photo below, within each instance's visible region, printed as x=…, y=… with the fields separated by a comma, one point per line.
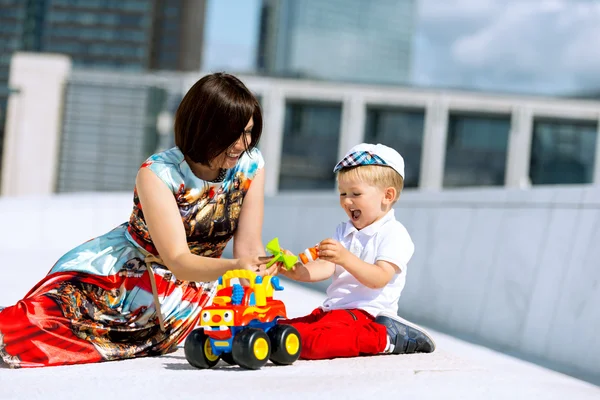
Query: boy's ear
x=389, y=195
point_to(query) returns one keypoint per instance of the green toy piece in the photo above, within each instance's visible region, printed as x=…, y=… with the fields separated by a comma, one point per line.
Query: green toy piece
x=288, y=260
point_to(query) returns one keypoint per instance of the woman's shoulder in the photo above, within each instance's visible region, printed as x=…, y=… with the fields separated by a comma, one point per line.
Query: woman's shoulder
x=250, y=162
x=167, y=166
x=172, y=156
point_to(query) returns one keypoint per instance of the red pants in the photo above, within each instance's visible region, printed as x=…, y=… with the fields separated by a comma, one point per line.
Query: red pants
x=339, y=333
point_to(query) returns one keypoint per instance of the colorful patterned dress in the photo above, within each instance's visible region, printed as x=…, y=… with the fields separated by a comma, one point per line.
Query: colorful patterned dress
x=100, y=300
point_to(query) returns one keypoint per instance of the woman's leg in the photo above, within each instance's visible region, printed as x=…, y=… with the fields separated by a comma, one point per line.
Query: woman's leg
x=35, y=333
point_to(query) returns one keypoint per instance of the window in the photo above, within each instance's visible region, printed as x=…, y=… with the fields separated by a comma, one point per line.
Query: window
x=108, y=131
x=132, y=20
x=310, y=146
x=402, y=130
x=476, y=150
x=563, y=151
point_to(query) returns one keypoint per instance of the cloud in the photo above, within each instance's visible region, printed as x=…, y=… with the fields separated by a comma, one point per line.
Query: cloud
x=545, y=46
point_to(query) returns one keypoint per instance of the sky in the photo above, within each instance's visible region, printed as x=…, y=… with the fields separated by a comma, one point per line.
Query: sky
x=231, y=35
x=532, y=46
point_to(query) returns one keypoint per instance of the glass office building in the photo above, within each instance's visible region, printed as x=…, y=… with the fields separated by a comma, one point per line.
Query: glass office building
x=21, y=26
x=346, y=40
x=335, y=40
x=101, y=33
x=128, y=35
x=21, y=23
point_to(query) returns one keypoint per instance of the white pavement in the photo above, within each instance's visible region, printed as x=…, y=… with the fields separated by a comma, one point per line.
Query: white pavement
x=456, y=370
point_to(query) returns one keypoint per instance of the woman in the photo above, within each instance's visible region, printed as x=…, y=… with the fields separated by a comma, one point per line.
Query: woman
x=138, y=290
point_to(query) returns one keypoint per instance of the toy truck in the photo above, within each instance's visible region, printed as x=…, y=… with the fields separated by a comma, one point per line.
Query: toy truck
x=240, y=326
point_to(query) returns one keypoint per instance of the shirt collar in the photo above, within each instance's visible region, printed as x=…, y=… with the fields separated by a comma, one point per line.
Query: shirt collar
x=371, y=229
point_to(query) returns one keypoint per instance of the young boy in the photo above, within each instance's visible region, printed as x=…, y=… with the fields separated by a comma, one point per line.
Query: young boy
x=367, y=258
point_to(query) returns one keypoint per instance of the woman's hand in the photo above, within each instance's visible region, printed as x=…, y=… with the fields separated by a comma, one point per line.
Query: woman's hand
x=256, y=264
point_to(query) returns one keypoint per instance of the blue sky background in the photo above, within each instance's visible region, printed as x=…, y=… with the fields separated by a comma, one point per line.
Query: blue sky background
x=535, y=46
x=231, y=35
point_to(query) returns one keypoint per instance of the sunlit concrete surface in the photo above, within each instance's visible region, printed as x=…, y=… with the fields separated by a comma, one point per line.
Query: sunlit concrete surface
x=456, y=370
x=35, y=231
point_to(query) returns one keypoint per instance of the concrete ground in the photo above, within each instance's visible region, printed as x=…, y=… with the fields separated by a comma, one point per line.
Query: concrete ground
x=456, y=370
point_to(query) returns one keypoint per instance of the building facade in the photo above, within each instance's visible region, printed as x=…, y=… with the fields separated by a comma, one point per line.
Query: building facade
x=137, y=35
x=340, y=40
x=128, y=35
x=21, y=24
x=449, y=139
x=331, y=40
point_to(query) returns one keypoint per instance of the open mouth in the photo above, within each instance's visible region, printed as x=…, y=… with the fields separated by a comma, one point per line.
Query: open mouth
x=218, y=332
x=218, y=328
x=355, y=214
x=233, y=156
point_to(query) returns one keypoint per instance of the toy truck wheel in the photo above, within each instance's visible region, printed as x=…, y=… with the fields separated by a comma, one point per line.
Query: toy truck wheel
x=198, y=351
x=286, y=344
x=251, y=348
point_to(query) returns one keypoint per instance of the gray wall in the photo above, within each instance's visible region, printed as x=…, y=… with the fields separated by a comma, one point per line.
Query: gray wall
x=514, y=270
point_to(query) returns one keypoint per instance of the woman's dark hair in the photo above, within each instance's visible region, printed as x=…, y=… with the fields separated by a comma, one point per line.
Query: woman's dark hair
x=212, y=116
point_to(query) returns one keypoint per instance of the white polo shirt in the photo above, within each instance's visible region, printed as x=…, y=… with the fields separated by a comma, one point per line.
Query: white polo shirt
x=386, y=240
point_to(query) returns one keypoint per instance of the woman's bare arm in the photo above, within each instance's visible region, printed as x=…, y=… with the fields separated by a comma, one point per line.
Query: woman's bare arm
x=247, y=240
x=168, y=234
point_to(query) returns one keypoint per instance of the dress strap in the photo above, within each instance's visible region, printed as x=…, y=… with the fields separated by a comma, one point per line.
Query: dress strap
x=151, y=258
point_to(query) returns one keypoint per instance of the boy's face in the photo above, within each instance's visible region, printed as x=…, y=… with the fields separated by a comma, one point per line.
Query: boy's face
x=362, y=202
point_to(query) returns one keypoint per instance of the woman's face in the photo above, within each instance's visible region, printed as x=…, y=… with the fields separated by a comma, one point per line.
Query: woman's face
x=229, y=158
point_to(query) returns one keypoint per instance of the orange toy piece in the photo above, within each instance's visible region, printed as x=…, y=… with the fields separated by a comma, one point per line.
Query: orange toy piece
x=310, y=254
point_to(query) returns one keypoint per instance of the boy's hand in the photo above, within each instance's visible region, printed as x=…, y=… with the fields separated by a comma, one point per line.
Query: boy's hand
x=333, y=251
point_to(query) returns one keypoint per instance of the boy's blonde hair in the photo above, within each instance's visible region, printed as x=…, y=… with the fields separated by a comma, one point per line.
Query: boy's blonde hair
x=376, y=175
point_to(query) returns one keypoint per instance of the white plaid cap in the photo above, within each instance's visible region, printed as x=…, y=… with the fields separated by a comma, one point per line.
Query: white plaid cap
x=372, y=154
